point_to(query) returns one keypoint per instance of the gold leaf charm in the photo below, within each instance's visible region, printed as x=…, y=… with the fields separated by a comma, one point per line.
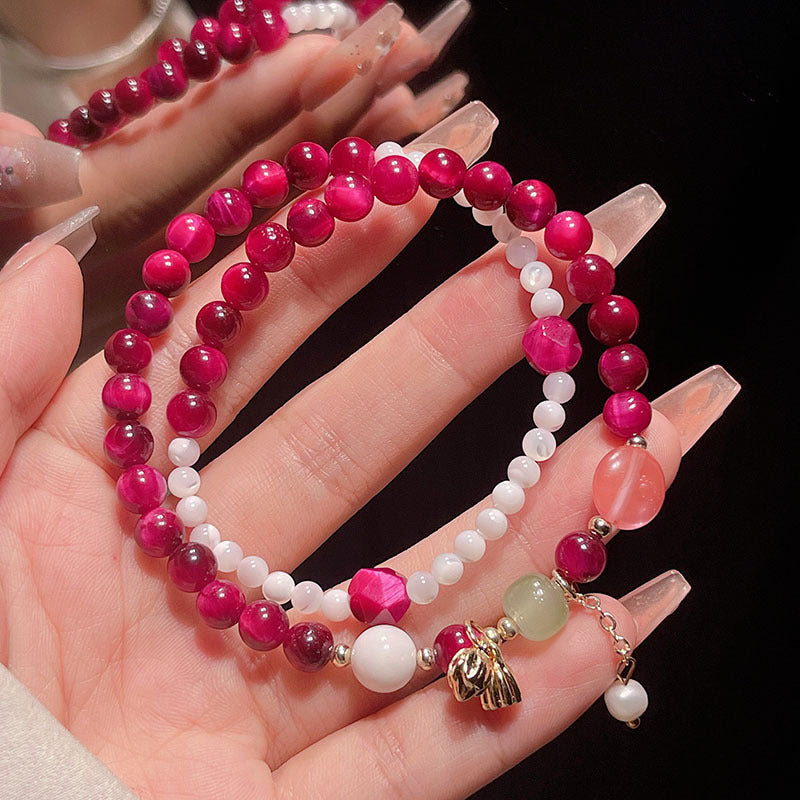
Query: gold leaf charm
x=480, y=671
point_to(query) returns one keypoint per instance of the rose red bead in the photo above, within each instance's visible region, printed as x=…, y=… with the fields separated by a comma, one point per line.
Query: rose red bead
x=103, y=108
x=265, y=184
x=201, y=60
x=349, y=197
x=623, y=367
x=133, y=96
x=166, y=271
x=167, y=80
x=244, y=286
x=82, y=126
x=487, y=185
x=126, y=396
x=613, y=320
x=395, y=180
x=229, y=212
x=366, y=8
x=269, y=30
x=447, y=643
x=203, y=368
x=530, y=205
x=263, y=625
x=310, y=222
x=128, y=350
x=378, y=596
x=306, y=165
x=269, y=246
x=172, y=50
x=308, y=646
x=127, y=444
x=149, y=312
x=235, y=42
x=240, y=11
x=551, y=344
x=590, y=278
x=59, y=131
x=206, y=30
x=627, y=413
x=159, y=532
x=141, y=488
x=192, y=235
x=191, y=567
x=568, y=235
x=581, y=557
x=352, y=154
x=191, y=413
x=220, y=604
x=218, y=323
x=441, y=173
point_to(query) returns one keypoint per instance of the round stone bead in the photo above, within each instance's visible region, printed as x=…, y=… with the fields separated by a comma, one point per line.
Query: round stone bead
x=378, y=596
x=148, y=312
x=307, y=597
x=229, y=212
x=59, y=131
x=220, y=604
x=549, y=415
x=191, y=235
x=235, y=42
x=349, y=197
x=491, y=523
x=538, y=444
x=207, y=534
x=547, y=303
x=244, y=286
x=128, y=350
x=240, y=11
x=447, y=643
x=172, y=50
x=310, y=222
x=486, y=218
x=568, y=235
x=535, y=276
x=508, y=496
x=269, y=30
x=203, y=368
x=447, y=569
x=103, y=109
x=524, y=471
x=627, y=413
x=229, y=555
x=626, y=702
x=537, y=606
x=559, y=387
x=469, y=546
x=387, y=149
x=622, y=368
x=422, y=588
x=308, y=646
x=336, y=605
x=613, y=320
x=167, y=80
x=590, y=278
x=206, y=29
x=306, y=165
x=551, y=344
x=82, y=127
x=183, y=452
x=278, y=587
x=166, y=271
x=269, y=246
x=126, y=396
x=352, y=154
x=192, y=510
x=159, y=532
x=183, y=482
x=263, y=625
x=628, y=487
x=383, y=658
x=191, y=413
x=201, y=60
x=218, y=323
x=252, y=571
x=395, y=180
x=265, y=184
x=133, y=96
x=127, y=444
x=191, y=567
x=502, y=229
x=530, y=205
x=580, y=557
x=141, y=488
x=487, y=185
x=441, y=173
x=521, y=251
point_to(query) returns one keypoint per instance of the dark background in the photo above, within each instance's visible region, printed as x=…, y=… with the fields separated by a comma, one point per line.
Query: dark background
x=593, y=98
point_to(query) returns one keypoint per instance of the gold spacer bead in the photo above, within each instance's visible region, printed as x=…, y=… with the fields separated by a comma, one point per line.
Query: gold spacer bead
x=599, y=526
x=507, y=628
x=493, y=635
x=637, y=441
x=425, y=658
x=341, y=655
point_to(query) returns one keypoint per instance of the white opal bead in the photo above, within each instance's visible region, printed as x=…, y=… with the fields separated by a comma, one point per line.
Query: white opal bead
x=524, y=471
x=192, y=510
x=547, y=303
x=229, y=555
x=183, y=452
x=422, y=588
x=383, y=658
x=278, y=587
x=535, y=276
x=538, y=444
x=252, y=571
x=626, y=702
x=503, y=229
x=340, y=15
x=549, y=415
x=508, y=496
x=491, y=523
x=469, y=546
x=486, y=218
x=447, y=569
x=559, y=387
x=293, y=18
x=461, y=198
x=307, y=597
x=335, y=605
x=415, y=157
x=183, y=481
x=386, y=149
x=521, y=251
x=206, y=534
x=309, y=12
x=325, y=15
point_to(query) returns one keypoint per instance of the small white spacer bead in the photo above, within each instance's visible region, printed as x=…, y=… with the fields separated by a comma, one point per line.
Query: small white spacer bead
x=415, y=157
x=183, y=482
x=524, y=471
x=503, y=229
x=422, y=588
x=521, y=251
x=486, y=218
x=559, y=387
x=206, y=534
x=335, y=605
x=549, y=415
x=535, y=276
x=538, y=444
x=252, y=571
x=508, y=496
x=386, y=149
x=229, y=555
x=461, y=199
x=307, y=597
x=469, y=546
x=547, y=303
x=183, y=452
x=447, y=569
x=278, y=587
x=192, y=510
x=491, y=523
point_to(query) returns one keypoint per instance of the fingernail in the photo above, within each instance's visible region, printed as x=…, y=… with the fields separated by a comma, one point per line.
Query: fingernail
x=439, y=100
x=355, y=54
x=35, y=172
x=468, y=131
x=623, y=221
x=696, y=404
x=652, y=603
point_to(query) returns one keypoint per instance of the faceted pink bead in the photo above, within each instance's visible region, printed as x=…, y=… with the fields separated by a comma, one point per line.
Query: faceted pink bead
x=623, y=367
x=218, y=323
x=103, y=108
x=627, y=413
x=192, y=235
x=530, y=205
x=167, y=80
x=206, y=30
x=203, y=368
x=378, y=596
x=141, y=488
x=127, y=444
x=306, y=165
x=269, y=246
x=126, y=396
x=172, y=50
x=191, y=413
x=220, y=604
x=191, y=567
x=487, y=185
x=149, y=312
x=235, y=42
x=310, y=222
x=395, y=180
x=352, y=154
x=159, y=532
x=265, y=184
x=244, y=286
x=133, y=96
x=590, y=278
x=128, y=350
x=59, y=131
x=613, y=320
x=82, y=127
x=628, y=487
x=229, y=212
x=349, y=197
x=269, y=30
x=202, y=60
x=166, y=271
x=308, y=646
x=235, y=11
x=551, y=344
x=441, y=173
x=448, y=642
x=581, y=557
x=263, y=625
x=568, y=235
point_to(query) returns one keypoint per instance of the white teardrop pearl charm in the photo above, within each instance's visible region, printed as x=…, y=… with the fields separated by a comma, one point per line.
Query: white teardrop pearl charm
x=626, y=702
x=383, y=658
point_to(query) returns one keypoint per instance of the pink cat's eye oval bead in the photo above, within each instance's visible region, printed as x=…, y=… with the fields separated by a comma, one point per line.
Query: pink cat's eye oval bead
x=627, y=413
x=487, y=185
x=310, y=222
x=235, y=42
x=244, y=286
x=141, y=488
x=103, y=108
x=59, y=131
x=581, y=557
x=306, y=165
x=220, y=604
x=159, y=532
x=192, y=235
x=270, y=247
x=203, y=368
x=166, y=271
x=530, y=205
x=172, y=50
x=218, y=323
x=128, y=350
x=133, y=96
x=82, y=127
x=229, y=212
x=265, y=184
x=263, y=625
x=206, y=29
x=202, y=60
x=622, y=367
x=352, y=154
x=395, y=180
x=308, y=646
x=126, y=396
x=441, y=173
x=191, y=567
x=590, y=278
x=269, y=30
x=148, y=312
x=191, y=413
x=128, y=443
x=568, y=235
x=349, y=197
x=613, y=320
x=167, y=80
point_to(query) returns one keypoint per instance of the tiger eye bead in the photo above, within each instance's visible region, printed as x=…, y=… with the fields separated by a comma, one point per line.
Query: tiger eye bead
x=537, y=606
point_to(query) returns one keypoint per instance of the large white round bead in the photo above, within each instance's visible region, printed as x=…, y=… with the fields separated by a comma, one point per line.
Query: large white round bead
x=192, y=510
x=183, y=452
x=383, y=658
x=559, y=387
x=521, y=251
x=491, y=523
x=206, y=534
x=626, y=702
x=422, y=588
x=508, y=496
x=252, y=571
x=183, y=481
x=278, y=587
x=336, y=605
x=229, y=555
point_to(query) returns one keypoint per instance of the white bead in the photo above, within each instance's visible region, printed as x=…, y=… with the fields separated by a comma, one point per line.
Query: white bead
x=422, y=588
x=535, y=276
x=549, y=415
x=383, y=658
x=486, y=218
x=447, y=569
x=293, y=18
x=415, y=157
x=252, y=571
x=521, y=251
x=461, y=198
x=508, y=496
x=183, y=452
x=503, y=229
x=278, y=587
x=469, y=546
x=626, y=702
x=206, y=534
x=229, y=555
x=524, y=471
x=325, y=16
x=491, y=523
x=309, y=11
x=559, y=387
x=336, y=605
x=307, y=597
x=192, y=510
x=547, y=303
x=386, y=149
x=184, y=481
x=538, y=444
x=340, y=15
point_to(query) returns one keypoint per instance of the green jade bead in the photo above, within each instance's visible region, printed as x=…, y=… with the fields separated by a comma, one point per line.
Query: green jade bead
x=537, y=606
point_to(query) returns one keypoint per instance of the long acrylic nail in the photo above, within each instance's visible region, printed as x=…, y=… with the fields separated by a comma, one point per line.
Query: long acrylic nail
x=696, y=404
x=652, y=603
x=437, y=101
x=35, y=172
x=355, y=54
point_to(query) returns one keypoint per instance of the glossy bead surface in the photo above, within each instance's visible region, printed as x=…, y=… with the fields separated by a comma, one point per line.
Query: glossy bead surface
x=141, y=488
x=128, y=443
x=549, y=415
x=441, y=173
x=203, y=368
x=183, y=482
x=547, y=303
x=349, y=197
x=278, y=587
x=167, y=80
x=240, y=11
x=447, y=569
x=394, y=180
x=201, y=60
x=191, y=413
x=265, y=184
x=59, y=131
x=206, y=29
x=269, y=30
x=133, y=96
x=126, y=396
x=172, y=50
x=590, y=278
x=520, y=251
x=192, y=510
x=623, y=367
x=469, y=546
x=218, y=323
x=580, y=557
x=166, y=271
x=128, y=350
x=306, y=165
x=252, y=571
x=537, y=606
x=308, y=646
x=568, y=235
x=229, y=212
x=244, y=286
x=220, y=604
x=335, y=605
x=551, y=344
x=191, y=567
x=183, y=452
x=534, y=276
x=530, y=205
x=491, y=523
x=235, y=42
x=207, y=534
x=148, y=312
x=352, y=154
x=263, y=625
x=310, y=222
x=103, y=109
x=626, y=702
x=307, y=597
x=487, y=185
x=627, y=413
x=191, y=235
x=447, y=643
x=524, y=471
x=383, y=658
x=229, y=555
x=159, y=532
x=270, y=247
x=378, y=595
x=559, y=387
x=82, y=127
x=538, y=444
x=613, y=320
x=422, y=588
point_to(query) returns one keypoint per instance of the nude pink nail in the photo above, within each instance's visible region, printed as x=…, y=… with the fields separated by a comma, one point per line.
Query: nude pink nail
x=653, y=602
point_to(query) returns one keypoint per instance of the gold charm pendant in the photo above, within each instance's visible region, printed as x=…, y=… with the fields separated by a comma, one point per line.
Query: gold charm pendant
x=480, y=670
